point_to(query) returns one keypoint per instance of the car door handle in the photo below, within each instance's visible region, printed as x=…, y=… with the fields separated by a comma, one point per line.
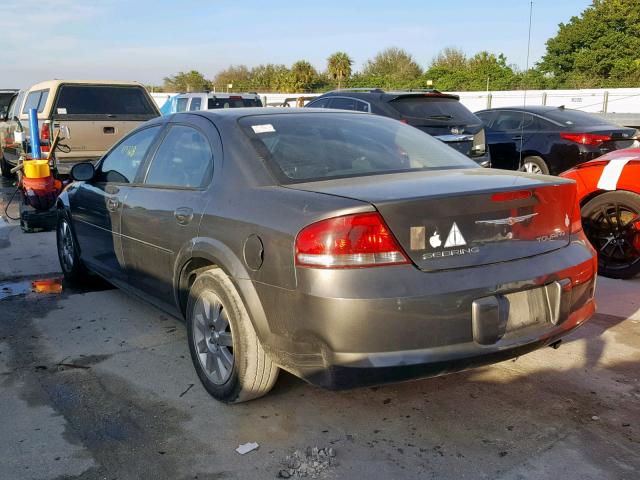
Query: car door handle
x=517, y=137
x=112, y=204
x=183, y=215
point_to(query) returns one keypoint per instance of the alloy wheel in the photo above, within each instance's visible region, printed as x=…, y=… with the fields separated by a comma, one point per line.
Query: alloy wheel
x=67, y=247
x=614, y=231
x=531, y=167
x=213, y=338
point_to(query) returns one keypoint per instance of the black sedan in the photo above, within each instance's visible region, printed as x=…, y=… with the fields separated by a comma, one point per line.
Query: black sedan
x=346, y=248
x=549, y=140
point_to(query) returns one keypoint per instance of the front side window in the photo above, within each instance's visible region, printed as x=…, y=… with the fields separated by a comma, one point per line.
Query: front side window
x=320, y=103
x=184, y=160
x=317, y=146
x=36, y=100
x=122, y=163
x=195, y=104
x=342, y=103
x=181, y=105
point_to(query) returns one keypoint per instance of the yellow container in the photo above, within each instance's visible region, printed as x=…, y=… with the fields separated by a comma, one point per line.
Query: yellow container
x=36, y=168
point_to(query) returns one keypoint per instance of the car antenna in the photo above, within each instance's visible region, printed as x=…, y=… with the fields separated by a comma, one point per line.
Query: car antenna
x=524, y=102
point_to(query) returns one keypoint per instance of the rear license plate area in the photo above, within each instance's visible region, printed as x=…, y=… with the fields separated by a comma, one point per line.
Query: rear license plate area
x=509, y=315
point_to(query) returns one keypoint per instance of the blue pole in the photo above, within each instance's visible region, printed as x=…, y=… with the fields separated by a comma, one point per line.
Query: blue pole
x=34, y=132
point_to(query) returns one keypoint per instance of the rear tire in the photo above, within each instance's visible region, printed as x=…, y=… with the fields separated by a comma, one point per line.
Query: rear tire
x=5, y=168
x=611, y=222
x=535, y=164
x=72, y=267
x=225, y=350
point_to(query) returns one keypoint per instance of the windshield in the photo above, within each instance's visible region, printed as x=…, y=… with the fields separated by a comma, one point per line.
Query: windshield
x=231, y=102
x=319, y=146
x=436, y=109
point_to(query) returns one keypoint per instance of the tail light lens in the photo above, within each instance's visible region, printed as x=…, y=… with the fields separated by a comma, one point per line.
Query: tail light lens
x=591, y=139
x=349, y=241
x=45, y=132
x=576, y=219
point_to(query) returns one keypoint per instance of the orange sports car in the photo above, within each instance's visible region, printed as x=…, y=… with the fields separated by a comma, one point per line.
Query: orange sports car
x=609, y=196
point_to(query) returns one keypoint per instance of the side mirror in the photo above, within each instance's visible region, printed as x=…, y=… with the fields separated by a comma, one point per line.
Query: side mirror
x=83, y=172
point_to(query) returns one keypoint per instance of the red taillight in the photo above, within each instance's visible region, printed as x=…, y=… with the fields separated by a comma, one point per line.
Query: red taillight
x=235, y=97
x=576, y=218
x=45, y=133
x=592, y=139
x=508, y=196
x=350, y=241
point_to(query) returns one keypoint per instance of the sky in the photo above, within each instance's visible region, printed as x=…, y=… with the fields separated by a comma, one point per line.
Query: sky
x=148, y=40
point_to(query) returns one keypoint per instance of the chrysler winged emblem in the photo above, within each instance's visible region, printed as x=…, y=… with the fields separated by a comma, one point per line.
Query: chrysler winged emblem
x=508, y=220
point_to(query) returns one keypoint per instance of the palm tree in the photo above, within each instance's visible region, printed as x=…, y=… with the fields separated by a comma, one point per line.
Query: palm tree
x=339, y=67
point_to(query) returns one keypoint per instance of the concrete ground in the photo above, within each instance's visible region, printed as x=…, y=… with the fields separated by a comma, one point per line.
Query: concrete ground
x=95, y=384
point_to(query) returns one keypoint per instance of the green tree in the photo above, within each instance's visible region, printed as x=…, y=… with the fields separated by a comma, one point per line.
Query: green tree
x=339, y=67
x=599, y=48
x=393, y=66
x=239, y=76
x=302, y=77
x=268, y=77
x=192, y=81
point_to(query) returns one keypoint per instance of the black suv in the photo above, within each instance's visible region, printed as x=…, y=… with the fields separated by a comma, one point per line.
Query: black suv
x=438, y=114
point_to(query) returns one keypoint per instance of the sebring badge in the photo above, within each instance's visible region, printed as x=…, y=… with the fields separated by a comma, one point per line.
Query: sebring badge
x=507, y=221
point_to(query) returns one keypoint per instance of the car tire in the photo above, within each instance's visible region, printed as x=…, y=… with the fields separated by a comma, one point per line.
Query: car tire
x=225, y=350
x=71, y=264
x=622, y=258
x=5, y=168
x=534, y=165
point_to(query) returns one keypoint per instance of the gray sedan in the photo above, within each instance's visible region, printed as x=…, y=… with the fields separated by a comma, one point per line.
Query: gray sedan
x=346, y=248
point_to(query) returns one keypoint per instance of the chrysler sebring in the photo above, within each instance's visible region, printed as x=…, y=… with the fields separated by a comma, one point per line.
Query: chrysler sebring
x=346, y=248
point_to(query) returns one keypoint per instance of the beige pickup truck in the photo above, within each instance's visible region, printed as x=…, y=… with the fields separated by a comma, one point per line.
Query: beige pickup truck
x=97, y=114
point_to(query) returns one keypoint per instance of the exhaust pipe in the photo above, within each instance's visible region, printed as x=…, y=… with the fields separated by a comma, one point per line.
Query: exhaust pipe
x=556, y=345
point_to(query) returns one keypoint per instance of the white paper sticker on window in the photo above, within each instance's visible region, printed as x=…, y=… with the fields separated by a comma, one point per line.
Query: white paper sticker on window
x=266, y=128
x=18, y=137
x=62, y=111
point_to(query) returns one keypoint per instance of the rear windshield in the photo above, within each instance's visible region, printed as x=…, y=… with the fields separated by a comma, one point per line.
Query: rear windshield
x=233, y=103
x=319, y=146
x=435, y=109
x=103, y=100
x=576, y=118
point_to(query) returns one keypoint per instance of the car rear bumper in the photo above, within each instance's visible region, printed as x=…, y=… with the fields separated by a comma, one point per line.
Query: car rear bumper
x=348, y=328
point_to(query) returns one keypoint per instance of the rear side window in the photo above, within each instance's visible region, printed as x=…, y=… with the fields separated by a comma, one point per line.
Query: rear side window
x=184, y=159
x=195, y=104
x=509, y=121
x=233, y=102
x=434, y=109
x=36, y=100
x=318, y=146
x=122, y=163
x=575, y=118
x=103, y=100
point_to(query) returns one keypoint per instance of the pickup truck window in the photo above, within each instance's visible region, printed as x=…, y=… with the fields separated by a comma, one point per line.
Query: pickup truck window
x=102, y=100
x=37, y=100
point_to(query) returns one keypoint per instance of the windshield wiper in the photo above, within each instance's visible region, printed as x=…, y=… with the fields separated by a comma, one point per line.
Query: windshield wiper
x=440, y=117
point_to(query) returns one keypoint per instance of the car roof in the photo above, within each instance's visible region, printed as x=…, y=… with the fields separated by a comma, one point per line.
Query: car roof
x=52, y=84
x=387, y=95
x=232, y=114
x=218, y=94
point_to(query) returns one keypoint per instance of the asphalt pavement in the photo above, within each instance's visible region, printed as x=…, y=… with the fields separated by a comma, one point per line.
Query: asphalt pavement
x=95, y=384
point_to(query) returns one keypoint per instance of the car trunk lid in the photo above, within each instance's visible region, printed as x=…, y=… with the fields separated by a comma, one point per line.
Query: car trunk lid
x=468, y=217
